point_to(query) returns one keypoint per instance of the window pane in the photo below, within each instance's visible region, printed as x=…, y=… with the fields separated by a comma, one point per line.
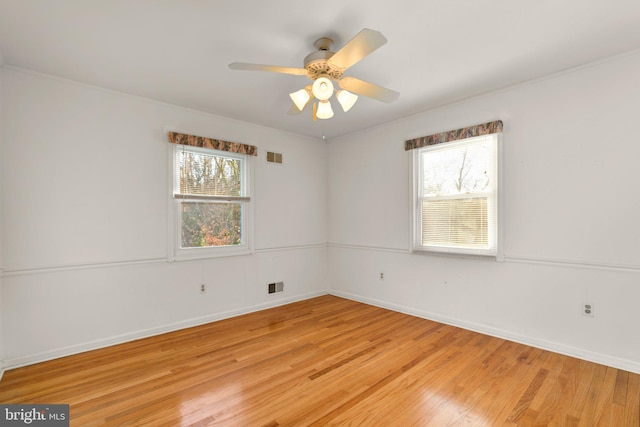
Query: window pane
x=211, y=224
x=460, y=169
x=455, y=222
x=205, y=174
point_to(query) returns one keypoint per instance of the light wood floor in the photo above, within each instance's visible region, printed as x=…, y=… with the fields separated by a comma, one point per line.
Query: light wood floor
x=328, y=361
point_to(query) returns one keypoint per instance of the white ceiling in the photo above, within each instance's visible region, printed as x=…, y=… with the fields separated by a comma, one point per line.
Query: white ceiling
x=177, y=51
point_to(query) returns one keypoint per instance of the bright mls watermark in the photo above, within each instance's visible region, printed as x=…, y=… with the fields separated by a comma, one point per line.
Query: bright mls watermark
x=34, y=415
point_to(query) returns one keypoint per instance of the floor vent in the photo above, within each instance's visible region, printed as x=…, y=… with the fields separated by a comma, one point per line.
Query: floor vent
x=272, y=288
x=273, y=157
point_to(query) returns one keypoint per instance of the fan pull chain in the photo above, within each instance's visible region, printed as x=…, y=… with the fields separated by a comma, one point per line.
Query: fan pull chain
x=315, y=105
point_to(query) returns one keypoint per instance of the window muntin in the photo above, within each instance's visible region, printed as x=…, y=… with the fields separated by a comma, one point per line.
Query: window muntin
x=211, y=199
x=456, y=197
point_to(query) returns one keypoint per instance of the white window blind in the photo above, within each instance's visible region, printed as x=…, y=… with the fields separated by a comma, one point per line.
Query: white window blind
x=207, y=175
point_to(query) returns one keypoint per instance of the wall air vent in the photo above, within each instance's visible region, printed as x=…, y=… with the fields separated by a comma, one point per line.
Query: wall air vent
x=273, y=157
x=272, y=288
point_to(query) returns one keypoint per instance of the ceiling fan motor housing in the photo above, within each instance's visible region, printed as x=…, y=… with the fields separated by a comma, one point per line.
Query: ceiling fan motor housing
x=316, y=62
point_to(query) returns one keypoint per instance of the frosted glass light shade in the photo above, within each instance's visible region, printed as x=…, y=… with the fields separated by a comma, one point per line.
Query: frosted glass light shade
x=300, y=98
x=324, y=110
x=322, y=88
x=346, y=99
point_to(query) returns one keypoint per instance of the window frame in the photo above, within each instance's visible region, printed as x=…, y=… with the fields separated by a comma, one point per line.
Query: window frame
x=416, y=205
x=175, y=250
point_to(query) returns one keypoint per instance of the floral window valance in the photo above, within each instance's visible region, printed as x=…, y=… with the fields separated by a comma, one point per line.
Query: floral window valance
x=454, y=135
x=215, y=144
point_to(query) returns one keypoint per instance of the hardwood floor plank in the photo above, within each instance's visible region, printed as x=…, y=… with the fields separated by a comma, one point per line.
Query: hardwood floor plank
x=632, y=405
x=590, y=413
x=622, y=383
x=328, y=361
x=391, y=401
x=524, y=403
x=475, y=388
x=567, y=383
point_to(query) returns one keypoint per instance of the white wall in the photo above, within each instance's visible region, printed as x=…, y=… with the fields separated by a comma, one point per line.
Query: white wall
x=571, y=233
x=85, y=194
x=1, y=214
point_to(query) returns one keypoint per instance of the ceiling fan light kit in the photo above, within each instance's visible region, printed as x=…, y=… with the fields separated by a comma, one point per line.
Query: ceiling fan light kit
x=346, y=99
x=322, y=88
x=300, y=98
x=324, y=110
x=325, y=67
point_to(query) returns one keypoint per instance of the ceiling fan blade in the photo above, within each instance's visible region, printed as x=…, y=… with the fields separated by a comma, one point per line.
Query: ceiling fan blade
x=294, y=108
x=367, y=89
x=271, y=68
x=365, y=42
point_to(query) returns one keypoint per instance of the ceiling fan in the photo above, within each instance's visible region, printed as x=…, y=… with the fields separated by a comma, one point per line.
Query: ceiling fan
x=325, y=67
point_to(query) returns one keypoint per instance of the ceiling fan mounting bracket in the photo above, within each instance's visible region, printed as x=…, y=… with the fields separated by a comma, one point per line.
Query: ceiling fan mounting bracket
x=323, y=43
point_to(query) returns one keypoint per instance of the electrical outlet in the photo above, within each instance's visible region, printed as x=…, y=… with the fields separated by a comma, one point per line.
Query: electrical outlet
x=587, y=310
x=381, y=276
x=203, y=288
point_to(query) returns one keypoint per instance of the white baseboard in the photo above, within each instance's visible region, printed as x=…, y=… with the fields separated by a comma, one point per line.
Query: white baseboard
x=603, y=359
x=31, y=359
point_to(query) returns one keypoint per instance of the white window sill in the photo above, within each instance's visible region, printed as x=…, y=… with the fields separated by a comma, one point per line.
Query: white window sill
x=208, y=253
x=455, y=254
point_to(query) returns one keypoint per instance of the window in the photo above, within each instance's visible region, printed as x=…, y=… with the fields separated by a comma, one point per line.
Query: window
x=211, y=202
x=456, y=196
